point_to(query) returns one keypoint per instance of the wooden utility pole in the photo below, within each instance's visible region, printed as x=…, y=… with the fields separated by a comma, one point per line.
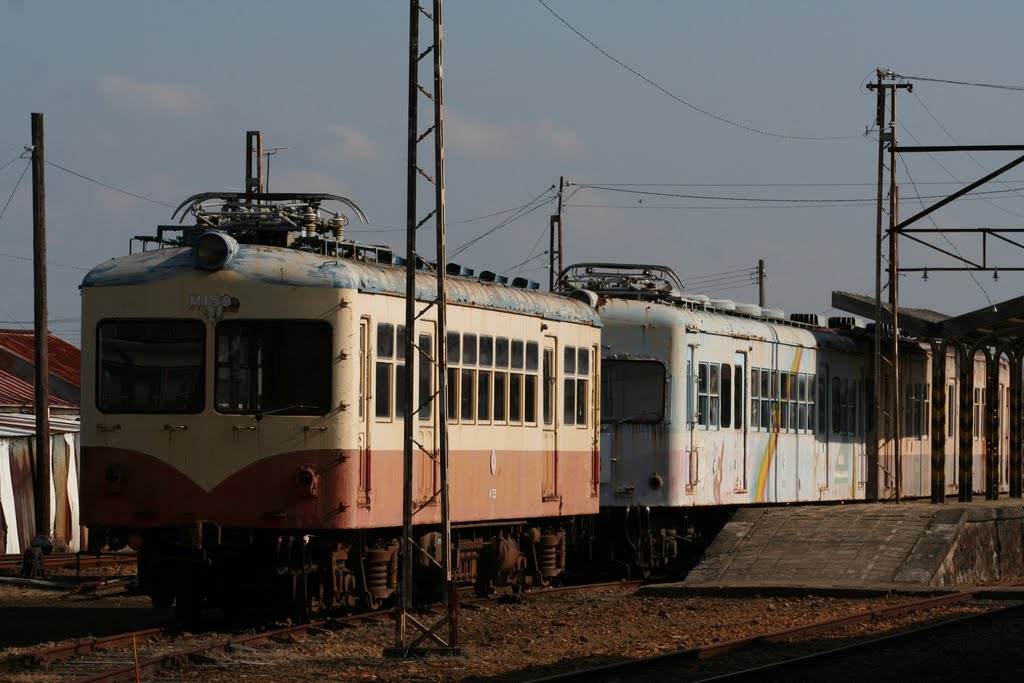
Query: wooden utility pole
x=42, y=379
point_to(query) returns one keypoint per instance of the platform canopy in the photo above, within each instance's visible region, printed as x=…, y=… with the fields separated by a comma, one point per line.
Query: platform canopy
x=1000, y=325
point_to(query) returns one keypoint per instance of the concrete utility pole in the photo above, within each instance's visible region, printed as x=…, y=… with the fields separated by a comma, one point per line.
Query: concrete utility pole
x=760, y=282
x=555, y=254
x=42, y=379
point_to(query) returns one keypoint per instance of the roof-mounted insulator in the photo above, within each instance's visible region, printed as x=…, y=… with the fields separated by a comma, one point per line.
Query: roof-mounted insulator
x=309, y=221
x=338, y=226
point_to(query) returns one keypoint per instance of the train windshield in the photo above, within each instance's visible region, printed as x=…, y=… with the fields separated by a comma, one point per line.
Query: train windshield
x=150, y=366
x=632, y=391
x=273, y=368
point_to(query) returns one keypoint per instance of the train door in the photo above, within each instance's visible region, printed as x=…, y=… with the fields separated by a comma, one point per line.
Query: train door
x=823, y=444
x=739, y=405
x=364, y=410
x=691, y=421
x=549, y=484
x=425, y=470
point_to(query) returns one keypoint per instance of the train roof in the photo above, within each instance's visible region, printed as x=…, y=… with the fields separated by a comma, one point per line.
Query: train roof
x=285, y=266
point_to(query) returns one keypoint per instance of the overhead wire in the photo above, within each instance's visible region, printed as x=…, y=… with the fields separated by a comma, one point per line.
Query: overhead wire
x=527, y=208
x=680, y=100
x=906, y=168
x=952, y=82
x=972, y=157
x=110, y=187
x=16, y=186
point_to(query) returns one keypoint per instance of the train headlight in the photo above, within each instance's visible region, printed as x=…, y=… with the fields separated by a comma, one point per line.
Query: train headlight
x=307, y=481
x=113, y=477
x=214, y=250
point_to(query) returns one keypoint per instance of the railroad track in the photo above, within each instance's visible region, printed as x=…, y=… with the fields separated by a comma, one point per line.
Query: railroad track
x=127, y=656
x=69, y=560
x=650, y=668
x=877, y=650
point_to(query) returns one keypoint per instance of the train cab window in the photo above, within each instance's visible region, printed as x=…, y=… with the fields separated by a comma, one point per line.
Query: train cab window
x=755, y=399
x=150, y=366
x=785, y=394
x=844, y=406
x=274, y=367
x=767, y=394
x=632, y=391
x=400, y=381
x=548, y=387
x=582, y=386
x=382, y=375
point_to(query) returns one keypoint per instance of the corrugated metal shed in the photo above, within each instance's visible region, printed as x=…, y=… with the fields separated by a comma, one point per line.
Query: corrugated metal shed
x=20, y=424
x=17, y=371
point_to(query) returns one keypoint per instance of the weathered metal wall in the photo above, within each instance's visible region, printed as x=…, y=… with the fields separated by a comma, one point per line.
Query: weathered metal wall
x=17, y=493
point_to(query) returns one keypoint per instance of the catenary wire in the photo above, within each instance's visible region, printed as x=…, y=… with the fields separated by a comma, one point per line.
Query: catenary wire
x=952, y=82
x=109, y=187
x=906, y=168
x=681, y=100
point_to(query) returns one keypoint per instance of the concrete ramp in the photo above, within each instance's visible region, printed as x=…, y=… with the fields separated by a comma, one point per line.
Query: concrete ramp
x=910, y=544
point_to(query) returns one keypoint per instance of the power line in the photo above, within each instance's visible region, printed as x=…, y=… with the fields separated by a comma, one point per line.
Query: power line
x=21, y=155
x=110, y=187
x=49, y=263
x=934, y=182
x=681, y=100
x=972, y=157
x=950, y=82
x=519, y=213
x=16, y=185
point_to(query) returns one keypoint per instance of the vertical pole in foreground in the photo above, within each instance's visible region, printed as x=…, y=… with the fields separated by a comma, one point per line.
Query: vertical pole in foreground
x=405, y=546
x=448, y=594
x=429, y=638
x=42, y=388
x=894, y=298
x=880, y=408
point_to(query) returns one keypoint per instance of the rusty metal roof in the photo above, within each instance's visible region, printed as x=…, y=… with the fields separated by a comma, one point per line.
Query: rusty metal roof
x=65, y=359
x=17, y=368
x=1000, y=325
x=19, y=424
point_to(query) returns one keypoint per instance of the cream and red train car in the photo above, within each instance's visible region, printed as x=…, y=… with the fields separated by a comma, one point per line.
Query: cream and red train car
x=243, y=410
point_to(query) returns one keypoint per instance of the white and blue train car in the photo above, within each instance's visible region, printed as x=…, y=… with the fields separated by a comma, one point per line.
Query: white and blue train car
x=705, y=408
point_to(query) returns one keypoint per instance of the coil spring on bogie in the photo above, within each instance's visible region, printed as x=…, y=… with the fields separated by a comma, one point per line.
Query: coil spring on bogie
x=547, y=555
x=376, y=567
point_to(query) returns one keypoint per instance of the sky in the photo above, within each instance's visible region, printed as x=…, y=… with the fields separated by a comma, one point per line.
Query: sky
x=684, y=132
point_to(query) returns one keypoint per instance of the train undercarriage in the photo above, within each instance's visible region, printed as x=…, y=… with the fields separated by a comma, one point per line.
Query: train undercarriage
x=304, y=573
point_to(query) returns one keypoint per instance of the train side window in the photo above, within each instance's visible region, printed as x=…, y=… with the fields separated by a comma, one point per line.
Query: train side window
x=486, y=351
x=755, y=400
x=426, y=379
x=548, y=387
x=469, y=348
x=708, y=395
x=452, y=390
x=385, y=340
x=453, y=348
x=274, y=367
x=516, y=357
x=766, y=399
x=532, y=353
x=726, y=395
x=467, y=392
x=500, y=395
x=483, y=396
x=515, y=397
x=582, y=386
x=400, y=388
x=569, y=385
x=151, y=366
x=785, y=404
x=501, y=352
